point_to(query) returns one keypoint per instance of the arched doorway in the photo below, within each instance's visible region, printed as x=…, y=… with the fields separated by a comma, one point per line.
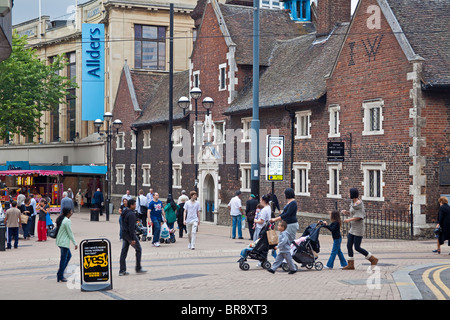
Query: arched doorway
x=208, y=197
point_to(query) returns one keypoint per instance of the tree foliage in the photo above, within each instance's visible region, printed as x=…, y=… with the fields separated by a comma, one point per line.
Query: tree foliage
x=28, y=88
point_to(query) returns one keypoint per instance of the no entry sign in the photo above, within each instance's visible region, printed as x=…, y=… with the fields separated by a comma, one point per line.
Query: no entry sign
x=275, y=158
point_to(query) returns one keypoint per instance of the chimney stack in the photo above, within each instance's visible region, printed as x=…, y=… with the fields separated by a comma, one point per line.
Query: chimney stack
x=329, y=12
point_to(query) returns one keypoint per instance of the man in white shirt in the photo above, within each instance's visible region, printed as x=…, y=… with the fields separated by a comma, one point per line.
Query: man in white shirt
x=150, y=195
x=127, y=196
x=142, y=207
x=236, y=213
x=183, y=198
x=192, y=218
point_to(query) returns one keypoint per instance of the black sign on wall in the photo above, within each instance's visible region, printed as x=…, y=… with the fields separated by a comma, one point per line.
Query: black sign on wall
x=444, y=173
x=336, y=151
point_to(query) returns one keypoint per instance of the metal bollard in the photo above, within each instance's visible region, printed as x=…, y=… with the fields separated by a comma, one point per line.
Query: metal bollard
x=2, y=237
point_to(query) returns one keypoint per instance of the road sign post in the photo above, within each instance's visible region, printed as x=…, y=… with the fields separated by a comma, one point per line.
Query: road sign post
x=275, y=158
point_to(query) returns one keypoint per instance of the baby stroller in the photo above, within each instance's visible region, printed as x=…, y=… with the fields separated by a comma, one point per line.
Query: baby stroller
x=306, y=248
x=142, y=231
x=260, y=251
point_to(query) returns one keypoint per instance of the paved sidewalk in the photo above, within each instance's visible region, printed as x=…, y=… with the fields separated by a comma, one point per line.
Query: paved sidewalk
x=210, y=272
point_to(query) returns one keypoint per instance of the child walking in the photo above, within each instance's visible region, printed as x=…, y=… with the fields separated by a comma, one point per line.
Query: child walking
x=335, y=228
x=285, y=250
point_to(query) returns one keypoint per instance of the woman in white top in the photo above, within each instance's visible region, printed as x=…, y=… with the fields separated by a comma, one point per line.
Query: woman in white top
x=263, y=216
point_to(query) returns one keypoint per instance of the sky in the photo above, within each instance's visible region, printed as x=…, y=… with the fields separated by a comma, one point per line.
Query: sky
x=25, y=10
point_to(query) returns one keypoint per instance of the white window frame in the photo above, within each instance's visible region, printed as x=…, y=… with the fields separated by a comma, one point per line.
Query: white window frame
x=334, y=122
x=176, y=175
x=223, y=84
x=302, y=119
x=177, y=136
x=146, y=174
x=272, y=4
x=334, y=168
x=133, y=174
x=246, y=129
x=216, y=132
x=120, y=174
x=368, y=106
x=133, y=141
x=246, y=177
x=120, y=140
x=301, y=174
x=147, y=138
x=366, y=168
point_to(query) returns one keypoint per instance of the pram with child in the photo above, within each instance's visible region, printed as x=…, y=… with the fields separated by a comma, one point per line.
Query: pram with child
x=259, y=251
x=305, y=249
x=142, y=231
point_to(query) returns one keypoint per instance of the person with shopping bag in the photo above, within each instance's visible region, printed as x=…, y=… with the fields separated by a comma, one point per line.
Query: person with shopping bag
x=156, y=215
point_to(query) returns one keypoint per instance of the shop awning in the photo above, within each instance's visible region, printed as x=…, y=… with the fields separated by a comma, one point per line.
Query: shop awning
x=30, y=172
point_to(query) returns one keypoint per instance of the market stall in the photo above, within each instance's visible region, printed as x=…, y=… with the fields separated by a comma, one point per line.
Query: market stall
x=41, y=183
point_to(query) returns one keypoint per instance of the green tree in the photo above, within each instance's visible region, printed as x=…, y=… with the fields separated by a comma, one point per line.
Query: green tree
x=28, y=88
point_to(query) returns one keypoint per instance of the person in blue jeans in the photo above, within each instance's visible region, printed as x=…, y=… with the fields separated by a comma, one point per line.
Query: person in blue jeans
x=335, y=228
x=156, y=214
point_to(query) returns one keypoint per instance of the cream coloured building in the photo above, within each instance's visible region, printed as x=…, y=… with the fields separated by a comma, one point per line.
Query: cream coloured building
x=136, y=31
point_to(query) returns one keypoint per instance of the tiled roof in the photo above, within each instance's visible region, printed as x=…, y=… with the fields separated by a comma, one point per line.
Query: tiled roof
x=296, y=73
x=156, y=108
x=426, y=25
x=274, y=25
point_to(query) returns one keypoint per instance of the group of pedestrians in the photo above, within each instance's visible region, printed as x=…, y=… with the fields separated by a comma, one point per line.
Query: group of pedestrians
x=258, y=213
x=151, y=209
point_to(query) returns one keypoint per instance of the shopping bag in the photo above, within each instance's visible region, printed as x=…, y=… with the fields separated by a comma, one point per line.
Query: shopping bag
x=272, y=237
x=165, y=233
x=24, y=219
x=243, y=222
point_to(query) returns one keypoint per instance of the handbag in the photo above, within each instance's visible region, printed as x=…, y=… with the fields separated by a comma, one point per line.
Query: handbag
x=272, y=237
x=53, y=233
x=24, y=218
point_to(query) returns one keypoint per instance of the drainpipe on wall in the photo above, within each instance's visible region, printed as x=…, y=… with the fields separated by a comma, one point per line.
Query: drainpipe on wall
x=292, y=116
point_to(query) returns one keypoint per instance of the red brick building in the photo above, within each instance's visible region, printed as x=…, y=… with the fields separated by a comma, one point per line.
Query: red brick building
x=373, y=82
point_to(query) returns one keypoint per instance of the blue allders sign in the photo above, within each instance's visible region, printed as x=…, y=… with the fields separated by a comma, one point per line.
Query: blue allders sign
x=93, y=71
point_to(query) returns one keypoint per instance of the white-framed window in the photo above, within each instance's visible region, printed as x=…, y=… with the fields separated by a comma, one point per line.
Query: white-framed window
x=334, y=122
x=146, y=175
x=301, y=178
x=147, y=139
x=196, y=79
x=271, y=4
x=176, y=171
x=222, y=76
x=120, y=141
x=176, y=136
x=120, y=174
x=334, y=181
x=373, y=180
x=246, y=127
x=133, y=174
x=373, y=117
x=246, y=178
x=219, y=132
x=133, y=141
x=303, y=124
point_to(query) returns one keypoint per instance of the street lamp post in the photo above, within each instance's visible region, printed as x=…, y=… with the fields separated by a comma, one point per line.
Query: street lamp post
x=110, y=126
x=208, y=104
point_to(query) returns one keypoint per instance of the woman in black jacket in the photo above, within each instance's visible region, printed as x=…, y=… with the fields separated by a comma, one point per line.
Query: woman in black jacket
x=444, y=223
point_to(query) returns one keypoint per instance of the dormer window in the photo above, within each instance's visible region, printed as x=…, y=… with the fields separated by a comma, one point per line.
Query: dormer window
x=300, y=9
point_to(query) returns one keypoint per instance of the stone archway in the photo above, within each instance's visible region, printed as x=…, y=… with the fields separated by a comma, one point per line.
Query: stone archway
x=208, y=198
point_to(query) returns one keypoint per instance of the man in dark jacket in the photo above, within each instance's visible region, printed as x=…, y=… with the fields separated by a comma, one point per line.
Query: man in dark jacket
x=129, y=237
x=250, y=211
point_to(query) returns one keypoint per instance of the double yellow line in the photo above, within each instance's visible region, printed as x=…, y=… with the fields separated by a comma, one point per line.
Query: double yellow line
x=436, y=289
